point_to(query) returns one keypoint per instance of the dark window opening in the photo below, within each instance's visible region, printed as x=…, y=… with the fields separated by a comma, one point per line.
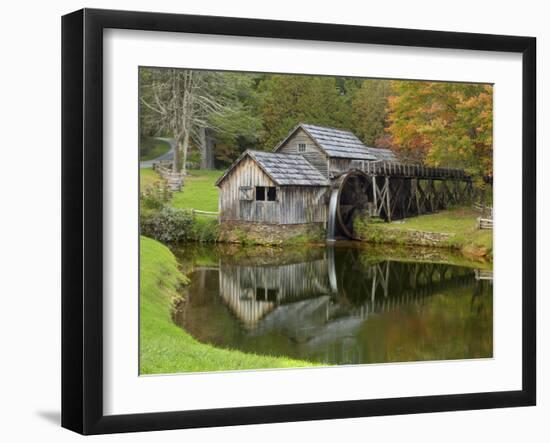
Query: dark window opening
x=272, y=194
x=268, y=193
x=301, y=147
x=260, y=193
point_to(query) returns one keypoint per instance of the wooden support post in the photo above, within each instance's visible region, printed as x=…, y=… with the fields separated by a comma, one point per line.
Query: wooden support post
x=374, y=194
x=420, y=198
x=397, y=197
x=382, y=198
x=388, y=198
x=411, y=195
x=444, y=191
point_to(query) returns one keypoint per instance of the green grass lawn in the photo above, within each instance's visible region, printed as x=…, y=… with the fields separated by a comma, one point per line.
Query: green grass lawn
x=148, y=177
x=461, y=223
x=165, y=347
x=151, y=148
x=450, y=221
x=199, y=191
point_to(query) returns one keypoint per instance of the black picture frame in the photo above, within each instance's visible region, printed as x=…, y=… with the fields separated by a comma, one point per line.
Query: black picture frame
x=82, y=218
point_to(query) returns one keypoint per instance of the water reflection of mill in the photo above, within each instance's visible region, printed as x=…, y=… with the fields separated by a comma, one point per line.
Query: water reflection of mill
x=328, y=297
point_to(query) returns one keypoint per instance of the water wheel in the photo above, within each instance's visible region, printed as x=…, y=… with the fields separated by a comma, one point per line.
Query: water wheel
x=353, y=190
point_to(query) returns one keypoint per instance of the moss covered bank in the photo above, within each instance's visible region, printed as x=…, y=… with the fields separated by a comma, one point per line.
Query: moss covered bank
x=454, y=229
x=165, y=347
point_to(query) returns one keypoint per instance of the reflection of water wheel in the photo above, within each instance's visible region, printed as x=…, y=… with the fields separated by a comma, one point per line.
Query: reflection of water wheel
x=353, y=190
x=354, y=277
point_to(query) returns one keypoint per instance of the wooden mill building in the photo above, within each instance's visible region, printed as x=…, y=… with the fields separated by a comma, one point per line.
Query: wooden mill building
x=331, y=151
x=325, y=176
x=291, y=184
x=272, y=188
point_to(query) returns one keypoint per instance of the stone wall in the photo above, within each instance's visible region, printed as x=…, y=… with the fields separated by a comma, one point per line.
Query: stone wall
x=405, y=237
x=268, y=234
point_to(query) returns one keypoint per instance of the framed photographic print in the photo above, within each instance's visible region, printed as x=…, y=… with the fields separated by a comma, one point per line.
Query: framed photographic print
x=270, y=221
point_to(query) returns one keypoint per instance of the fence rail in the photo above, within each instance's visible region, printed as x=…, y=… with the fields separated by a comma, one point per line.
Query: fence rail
x=174, y=180
x=483, y=209
x=205, y=213
x=485, y=223
x=485, y=220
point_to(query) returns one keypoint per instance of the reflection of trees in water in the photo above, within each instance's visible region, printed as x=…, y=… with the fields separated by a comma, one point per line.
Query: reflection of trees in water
x=339, y=306
x=299, y=298
x=482, y=289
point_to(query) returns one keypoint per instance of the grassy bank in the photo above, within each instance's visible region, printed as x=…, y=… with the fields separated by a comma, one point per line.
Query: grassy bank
x=455, y=229
x=164, y=213
x=151, y=148
x=166, y=348
x=199, y=191
x=148, y=177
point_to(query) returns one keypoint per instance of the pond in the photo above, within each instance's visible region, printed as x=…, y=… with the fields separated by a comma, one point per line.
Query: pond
x=337, y=304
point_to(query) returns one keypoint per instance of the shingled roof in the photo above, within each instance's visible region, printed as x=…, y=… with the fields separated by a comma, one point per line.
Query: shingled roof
x=283, y=169
x=382, y=154
x=340, y=143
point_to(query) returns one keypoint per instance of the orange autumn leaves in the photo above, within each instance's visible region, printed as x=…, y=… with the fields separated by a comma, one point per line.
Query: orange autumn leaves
x=442, y=124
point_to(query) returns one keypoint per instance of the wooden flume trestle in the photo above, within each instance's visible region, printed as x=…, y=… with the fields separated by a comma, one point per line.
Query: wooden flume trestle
x=393, y=191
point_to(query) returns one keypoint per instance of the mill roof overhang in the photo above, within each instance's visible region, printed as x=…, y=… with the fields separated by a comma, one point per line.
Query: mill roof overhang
x=340, y=143
x=283, y=169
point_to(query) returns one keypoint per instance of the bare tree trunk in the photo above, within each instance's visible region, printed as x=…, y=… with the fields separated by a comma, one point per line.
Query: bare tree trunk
x=209, y=150
x=203, y=147
x=185, y=102
x=206, y=148
x=177, y=156
x=184, y=152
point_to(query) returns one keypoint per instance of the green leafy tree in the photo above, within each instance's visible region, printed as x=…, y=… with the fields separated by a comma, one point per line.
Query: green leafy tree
x=239, y=127
x=291, y=99
x=369, y=105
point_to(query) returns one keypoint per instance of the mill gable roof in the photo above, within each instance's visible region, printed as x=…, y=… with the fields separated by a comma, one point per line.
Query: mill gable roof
x=283, y=169
x=340, y=143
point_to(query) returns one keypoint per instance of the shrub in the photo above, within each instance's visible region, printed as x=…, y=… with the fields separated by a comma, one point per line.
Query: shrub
x=206, y=231
x=173, y=225
x=155, y=196
x=169, y=225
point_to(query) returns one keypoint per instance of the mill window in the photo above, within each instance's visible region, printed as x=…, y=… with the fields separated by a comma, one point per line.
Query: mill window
x=260, y=193
x=271, y=194
x=301, y=147
x=266, y=193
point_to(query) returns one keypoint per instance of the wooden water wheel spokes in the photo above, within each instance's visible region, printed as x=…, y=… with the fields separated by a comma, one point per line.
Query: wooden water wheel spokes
x=352, y=197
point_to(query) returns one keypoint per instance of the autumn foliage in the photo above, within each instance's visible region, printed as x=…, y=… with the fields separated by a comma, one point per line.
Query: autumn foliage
x=433, y=123
x=442, y=124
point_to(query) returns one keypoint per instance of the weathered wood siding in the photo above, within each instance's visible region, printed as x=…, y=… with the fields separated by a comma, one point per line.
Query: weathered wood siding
x=313, y=153
x=303, y=204
x=294, y=205
x=340, y=165
x=251, y=292
x=231, y=207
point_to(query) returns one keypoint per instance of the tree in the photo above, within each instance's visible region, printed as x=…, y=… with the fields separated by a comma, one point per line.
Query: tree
x=194, y=107
x=148, y=124
x=369, y=106
x=238, y=127
x=443, y=124
x=287, y=100
x=173, y=97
